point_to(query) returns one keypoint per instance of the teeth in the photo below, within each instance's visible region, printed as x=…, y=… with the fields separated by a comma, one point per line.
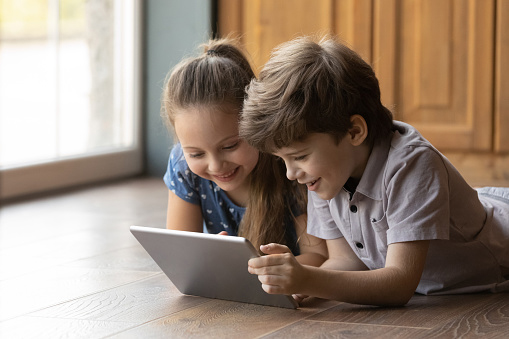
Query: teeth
x=226, y=175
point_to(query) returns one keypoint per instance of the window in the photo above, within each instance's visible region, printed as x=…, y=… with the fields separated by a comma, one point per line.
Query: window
x=69, y=95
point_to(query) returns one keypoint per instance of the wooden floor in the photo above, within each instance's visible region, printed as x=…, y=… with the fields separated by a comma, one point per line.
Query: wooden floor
x=69, y=267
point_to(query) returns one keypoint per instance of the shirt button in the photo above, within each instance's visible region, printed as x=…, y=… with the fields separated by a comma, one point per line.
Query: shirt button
x=353, y=208
x=359, y=245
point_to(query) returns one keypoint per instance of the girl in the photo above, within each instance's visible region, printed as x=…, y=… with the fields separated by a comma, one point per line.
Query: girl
x=216, y=178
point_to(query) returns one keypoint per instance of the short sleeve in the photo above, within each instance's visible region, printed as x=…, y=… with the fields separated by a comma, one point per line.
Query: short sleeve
x=179, y=178
x=320, y=221
x=418, y=196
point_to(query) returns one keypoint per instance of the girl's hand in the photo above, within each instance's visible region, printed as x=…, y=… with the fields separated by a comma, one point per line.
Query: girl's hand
x=223, y=233
x=279, y=272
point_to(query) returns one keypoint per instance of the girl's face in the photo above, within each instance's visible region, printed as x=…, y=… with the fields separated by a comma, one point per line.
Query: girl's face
x=213, y=150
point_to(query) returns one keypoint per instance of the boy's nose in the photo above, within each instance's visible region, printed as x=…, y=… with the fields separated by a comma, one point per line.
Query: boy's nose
x=292, y=173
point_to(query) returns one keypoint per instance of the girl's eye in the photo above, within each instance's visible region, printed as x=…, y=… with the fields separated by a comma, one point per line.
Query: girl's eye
x=300, y=157
x=231, y=147
x=195, y=155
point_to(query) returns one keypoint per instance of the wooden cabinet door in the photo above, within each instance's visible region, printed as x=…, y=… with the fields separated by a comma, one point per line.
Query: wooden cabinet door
x=434, y=58
x=264, y=24
x=435, y=66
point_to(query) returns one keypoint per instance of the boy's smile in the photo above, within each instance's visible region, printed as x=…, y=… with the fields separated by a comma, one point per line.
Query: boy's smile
x=312, y=185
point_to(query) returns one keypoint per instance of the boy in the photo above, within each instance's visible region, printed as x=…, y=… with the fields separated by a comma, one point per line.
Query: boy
x=397, y=216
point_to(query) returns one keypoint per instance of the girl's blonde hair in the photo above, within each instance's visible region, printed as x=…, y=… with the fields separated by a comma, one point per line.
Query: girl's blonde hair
x=217, y=78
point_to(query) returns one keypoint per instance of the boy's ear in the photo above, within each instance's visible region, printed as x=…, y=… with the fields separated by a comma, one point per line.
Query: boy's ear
x=359, y=130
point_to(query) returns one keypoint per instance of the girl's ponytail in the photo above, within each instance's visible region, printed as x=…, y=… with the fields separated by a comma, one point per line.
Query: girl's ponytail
x=218, y=76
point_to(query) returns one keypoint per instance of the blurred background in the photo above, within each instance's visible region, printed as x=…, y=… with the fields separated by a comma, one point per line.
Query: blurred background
x=80, y=80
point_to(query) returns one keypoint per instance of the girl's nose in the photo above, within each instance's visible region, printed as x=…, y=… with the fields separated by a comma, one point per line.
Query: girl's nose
x=216, y=164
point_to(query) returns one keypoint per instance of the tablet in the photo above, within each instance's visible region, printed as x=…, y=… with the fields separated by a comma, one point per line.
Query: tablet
x=208, y=265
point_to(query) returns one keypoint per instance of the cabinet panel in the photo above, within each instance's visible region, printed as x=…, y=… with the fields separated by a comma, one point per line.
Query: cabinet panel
x=442, y=81
x=264, y=24
x=353, y=23
x=268, y=23
x=229, y=17
x=502, y=78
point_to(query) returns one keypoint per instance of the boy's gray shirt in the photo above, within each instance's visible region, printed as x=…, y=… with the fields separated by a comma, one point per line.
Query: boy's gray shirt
x=408, y=192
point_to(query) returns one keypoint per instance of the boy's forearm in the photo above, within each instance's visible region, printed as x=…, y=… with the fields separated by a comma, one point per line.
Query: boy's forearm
x=383, y=287
x=343, y=264
x=310, y=259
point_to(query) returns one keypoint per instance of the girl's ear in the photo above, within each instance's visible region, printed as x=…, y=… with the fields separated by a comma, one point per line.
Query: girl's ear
x=359, y=130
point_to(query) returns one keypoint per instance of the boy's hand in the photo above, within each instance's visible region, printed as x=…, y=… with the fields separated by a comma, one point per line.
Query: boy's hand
x=279, y=272
x=275, y=249
x=299, y=297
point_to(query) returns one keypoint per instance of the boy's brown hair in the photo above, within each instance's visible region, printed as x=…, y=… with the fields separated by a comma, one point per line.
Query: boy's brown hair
x=312, y=86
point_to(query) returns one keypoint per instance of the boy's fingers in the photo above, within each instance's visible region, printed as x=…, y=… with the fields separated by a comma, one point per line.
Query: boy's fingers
x=274, y=249
x=272, y=289
x=299, y=297
x=269, y=260
x=262, y=270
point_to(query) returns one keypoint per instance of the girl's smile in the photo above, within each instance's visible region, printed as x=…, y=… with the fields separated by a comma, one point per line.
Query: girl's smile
x=227, y=176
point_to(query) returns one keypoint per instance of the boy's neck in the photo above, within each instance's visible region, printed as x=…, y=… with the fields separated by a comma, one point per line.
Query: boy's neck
x=351, y=185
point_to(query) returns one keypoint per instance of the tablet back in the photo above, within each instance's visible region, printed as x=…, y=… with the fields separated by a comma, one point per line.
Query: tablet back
x=208, y=265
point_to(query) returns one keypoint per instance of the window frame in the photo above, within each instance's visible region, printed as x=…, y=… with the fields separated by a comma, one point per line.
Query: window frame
x=66, y=172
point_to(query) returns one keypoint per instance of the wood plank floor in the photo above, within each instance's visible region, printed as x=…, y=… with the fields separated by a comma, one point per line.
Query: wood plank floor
x=69, y=267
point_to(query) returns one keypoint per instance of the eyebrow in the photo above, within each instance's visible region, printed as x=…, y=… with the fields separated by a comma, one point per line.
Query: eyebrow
x=218, y=143
x=296, y=151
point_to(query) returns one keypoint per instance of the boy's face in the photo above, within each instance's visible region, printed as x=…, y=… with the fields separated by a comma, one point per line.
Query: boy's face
x=323, y=164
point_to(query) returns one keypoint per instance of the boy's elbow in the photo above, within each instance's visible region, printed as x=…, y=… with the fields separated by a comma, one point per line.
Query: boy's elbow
x=392, y=301
x=396, y=296
x=401, y=298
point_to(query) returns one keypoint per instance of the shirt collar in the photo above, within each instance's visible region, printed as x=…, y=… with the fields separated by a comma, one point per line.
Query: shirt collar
x=372, y=178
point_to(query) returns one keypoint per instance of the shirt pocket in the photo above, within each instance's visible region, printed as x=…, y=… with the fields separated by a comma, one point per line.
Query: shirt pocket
x=379, y=224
